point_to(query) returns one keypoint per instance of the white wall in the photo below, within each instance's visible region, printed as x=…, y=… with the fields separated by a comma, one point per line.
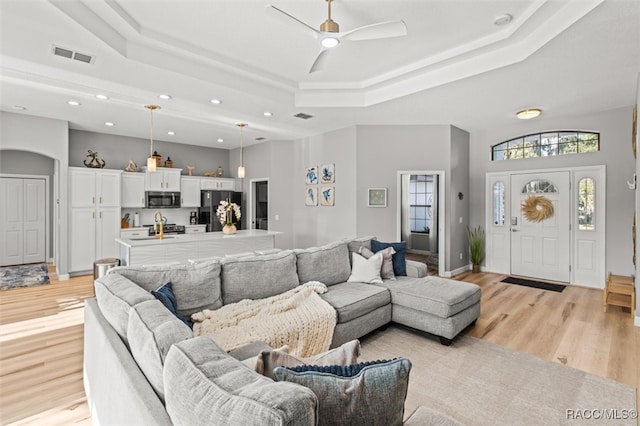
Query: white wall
x=49, y=138
x=615, y=152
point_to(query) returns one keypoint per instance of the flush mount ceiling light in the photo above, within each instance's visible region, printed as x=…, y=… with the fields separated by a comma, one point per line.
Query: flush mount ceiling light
x=220, y=140
x=74, y=103
x=267, y=114
x=165, y=97
x=102, y=97
x=171, y=133
x=215, y=101
x=109, y=124
x=527, y=114
x=241, y=170
x=151, y=161
x=502, y=19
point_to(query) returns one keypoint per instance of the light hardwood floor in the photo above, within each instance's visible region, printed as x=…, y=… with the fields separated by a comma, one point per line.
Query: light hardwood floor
x=41, y=340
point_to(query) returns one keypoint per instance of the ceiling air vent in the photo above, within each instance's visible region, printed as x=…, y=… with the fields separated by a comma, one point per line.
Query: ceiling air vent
x=71, y=54
x=303, y=116
x=260, y=138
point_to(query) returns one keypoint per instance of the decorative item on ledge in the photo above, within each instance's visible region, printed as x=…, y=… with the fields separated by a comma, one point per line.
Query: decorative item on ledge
x=190, y=168
x=95, y=162
x=168, y=163
x=131, y=167
x=537, y=208
x=220, y=171
x=226, y=212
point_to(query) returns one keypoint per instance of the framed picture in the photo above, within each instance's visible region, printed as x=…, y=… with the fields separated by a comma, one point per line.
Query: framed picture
x=311, y=196
x=327, y=196
x=328, y=173
x=311, y=177
x=377, y=197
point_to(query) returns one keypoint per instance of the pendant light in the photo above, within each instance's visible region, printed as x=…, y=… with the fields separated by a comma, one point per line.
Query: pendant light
x=151, y=161
x=241, y=166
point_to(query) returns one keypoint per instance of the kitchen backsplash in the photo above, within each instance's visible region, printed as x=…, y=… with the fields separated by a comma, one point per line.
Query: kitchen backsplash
x=177, y=216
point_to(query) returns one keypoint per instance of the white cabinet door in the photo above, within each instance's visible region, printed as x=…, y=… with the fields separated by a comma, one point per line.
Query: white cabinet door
x=108, y=188
x=107, y=230
x=227, y=185
x=133, y=233
x=190, y=192
x=82, y=187
x=218, y=184
x=132, y=190
x=83, y=238
x=172, y=180
x=154, y=181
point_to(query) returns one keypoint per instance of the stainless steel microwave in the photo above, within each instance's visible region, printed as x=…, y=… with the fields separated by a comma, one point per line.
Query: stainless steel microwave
x=162, y=200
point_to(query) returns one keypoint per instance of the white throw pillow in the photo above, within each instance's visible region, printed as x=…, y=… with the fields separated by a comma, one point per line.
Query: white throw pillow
x=366, y=270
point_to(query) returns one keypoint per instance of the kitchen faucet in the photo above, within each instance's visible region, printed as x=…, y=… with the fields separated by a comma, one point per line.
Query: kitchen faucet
x=158, y=223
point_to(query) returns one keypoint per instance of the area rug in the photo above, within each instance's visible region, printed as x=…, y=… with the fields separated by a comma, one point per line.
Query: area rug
x=535, y=284
x=23, y=276
x=480, y=383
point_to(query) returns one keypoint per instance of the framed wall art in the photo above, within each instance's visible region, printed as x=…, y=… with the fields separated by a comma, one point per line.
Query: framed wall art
x=327, y=196
x=377, y=197
x=311, y=177
x=328, y=173
x=311, y=196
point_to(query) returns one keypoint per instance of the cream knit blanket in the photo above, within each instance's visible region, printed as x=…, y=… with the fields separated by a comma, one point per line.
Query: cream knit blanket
x=298, y=318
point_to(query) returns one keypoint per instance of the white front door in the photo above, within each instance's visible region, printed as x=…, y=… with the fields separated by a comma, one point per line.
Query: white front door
x=540, y=241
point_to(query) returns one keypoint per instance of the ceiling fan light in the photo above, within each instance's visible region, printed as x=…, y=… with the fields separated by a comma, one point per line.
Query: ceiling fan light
x=527, y=114
x=329, y=42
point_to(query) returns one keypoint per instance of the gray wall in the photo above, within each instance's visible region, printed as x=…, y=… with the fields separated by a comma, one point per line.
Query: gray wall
x=637, y=205
x=457, y=242
x=116, y=151
x=615, y=152
x=30, y=163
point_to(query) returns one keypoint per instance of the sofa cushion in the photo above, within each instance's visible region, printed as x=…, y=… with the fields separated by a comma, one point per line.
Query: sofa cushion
x=152, y=329
x=328, y=264
x=196, y=286
x=442, y=297
x=258, y=277
x=206, y=386
x=352, y=300
x=267, y=360
x=371, y=393
x=116, y=295
x=365, y=270
x=399, y=258
x=356, y=244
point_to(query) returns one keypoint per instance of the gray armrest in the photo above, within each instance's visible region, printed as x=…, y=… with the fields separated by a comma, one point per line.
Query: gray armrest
x=416, y=269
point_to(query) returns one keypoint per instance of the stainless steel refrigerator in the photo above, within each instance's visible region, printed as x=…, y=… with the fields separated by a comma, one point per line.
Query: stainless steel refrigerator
x=209, y=201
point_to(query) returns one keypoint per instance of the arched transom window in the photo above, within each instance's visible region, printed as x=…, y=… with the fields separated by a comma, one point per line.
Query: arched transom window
x=548, y=144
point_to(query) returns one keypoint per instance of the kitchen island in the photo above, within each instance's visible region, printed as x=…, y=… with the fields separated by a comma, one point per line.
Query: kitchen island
x=180, y=248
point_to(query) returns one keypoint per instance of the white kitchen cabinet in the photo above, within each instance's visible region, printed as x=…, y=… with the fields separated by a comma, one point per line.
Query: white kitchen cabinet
x=218, y=184
x=95, y=216
x=134, y=233
x=190, y=192
x=132, y=190
x=195, y=229
x=163, y=179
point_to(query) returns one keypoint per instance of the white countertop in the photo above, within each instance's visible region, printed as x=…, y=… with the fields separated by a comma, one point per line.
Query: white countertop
x=188, y=238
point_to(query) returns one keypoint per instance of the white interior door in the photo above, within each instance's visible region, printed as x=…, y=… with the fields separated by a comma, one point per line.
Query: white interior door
x=22, y=221
x=541, y=248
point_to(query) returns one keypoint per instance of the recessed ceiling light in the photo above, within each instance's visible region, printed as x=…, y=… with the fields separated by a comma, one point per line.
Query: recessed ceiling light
x=267, y=114
x=215, y=101
x=171, y=133
x=503, y=19
x=165, y=97
x=527, y=114
x=74, y=103
x=19, y=107
x=220, y=140
x=110, y=124
x=102, y=97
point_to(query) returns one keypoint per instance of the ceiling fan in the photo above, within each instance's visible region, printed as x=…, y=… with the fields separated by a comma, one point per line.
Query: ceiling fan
x=330, y=35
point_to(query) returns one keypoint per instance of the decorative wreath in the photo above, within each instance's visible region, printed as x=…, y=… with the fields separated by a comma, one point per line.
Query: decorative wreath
x=537, y=208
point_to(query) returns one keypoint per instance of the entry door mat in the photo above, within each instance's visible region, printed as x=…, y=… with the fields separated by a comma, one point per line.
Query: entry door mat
x=535, y=284
x=23, y=276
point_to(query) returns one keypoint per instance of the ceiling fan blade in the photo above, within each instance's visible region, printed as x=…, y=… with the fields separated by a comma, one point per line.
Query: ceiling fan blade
x=376, y=31
x=285, y=17
x=320, y=61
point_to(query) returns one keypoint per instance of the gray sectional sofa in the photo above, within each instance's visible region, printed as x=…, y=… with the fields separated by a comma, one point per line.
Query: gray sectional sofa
x=142, y=365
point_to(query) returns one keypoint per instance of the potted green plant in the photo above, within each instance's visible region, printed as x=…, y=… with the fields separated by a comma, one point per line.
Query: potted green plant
x=476, y=247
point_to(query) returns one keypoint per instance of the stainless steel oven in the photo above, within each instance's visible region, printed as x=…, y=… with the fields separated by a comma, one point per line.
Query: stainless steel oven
x=162, y=200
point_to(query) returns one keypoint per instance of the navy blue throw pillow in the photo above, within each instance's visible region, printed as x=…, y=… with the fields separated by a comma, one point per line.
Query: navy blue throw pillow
x=399, y=258
x=168, y=299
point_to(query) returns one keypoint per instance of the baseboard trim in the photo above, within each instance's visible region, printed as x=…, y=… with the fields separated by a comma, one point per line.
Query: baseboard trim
x=62, y=277
x=449, y=274
x=636, y=321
